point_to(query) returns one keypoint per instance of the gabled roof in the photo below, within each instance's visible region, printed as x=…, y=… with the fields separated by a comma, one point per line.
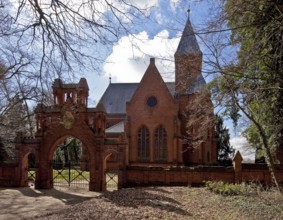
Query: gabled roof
x=188, y=44
x=117, y=95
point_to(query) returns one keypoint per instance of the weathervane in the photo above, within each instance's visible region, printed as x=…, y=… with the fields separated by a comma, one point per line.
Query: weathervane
x=110, y=78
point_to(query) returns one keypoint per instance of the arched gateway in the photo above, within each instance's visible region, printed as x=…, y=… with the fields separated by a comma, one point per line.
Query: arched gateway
x=69, y=116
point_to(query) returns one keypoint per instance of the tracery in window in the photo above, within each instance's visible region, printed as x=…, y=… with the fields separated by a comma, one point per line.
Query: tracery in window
x=160, y=144
x=143, y=144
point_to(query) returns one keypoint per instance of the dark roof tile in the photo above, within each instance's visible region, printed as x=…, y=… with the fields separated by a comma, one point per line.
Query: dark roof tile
x=117, y=95
x=188, y=44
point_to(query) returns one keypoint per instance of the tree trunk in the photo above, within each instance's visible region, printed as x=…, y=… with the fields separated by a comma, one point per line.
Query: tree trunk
x=266, y=148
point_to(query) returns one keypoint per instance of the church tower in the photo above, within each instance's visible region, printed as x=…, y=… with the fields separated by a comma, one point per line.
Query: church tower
x=188, y=61
x=189, y=85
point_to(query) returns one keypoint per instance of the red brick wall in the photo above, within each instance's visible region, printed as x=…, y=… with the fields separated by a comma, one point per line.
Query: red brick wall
x=141, y=176
x=8, y=175
x=145, y=176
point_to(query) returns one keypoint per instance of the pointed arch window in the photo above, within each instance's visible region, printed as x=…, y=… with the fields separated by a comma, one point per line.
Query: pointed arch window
x=160, y=144
x=143, y=144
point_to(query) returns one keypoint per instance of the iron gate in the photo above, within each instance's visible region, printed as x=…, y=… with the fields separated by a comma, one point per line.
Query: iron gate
x=111, y=179
x=31, y=174
x=71, y=174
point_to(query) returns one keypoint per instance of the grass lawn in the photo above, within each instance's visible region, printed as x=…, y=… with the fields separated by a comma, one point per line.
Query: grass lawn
x=77, y=177
x=72, y=174
x=60, y=175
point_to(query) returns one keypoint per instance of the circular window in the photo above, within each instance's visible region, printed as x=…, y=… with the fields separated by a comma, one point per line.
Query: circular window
x=151, y=101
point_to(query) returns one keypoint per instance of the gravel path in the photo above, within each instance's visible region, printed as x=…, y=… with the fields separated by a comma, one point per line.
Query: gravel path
x=21, y=203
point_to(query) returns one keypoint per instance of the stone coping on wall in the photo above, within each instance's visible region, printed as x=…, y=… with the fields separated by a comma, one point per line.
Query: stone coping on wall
x=260, y=166
x=182, y=168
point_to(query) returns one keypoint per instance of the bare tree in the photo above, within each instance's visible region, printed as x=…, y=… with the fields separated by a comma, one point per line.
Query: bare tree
x=43, y=40
x=64, y=35
x=200, y=119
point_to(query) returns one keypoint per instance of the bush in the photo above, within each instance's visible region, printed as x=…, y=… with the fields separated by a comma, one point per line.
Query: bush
x=230, y=189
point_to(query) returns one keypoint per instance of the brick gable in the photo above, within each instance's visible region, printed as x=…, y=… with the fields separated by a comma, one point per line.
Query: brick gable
x=141, y=113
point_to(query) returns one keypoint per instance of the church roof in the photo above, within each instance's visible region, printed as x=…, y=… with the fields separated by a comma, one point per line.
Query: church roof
x=188, y=43
x=117, y=95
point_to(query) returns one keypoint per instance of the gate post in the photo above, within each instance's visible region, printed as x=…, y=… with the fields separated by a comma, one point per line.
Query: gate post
x=43, y=177
x=96, y=171
x=122, y=162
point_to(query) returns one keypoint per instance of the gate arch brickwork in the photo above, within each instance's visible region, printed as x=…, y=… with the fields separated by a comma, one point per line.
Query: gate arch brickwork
x=50, y=140
x=24, y=147
x=68, y=116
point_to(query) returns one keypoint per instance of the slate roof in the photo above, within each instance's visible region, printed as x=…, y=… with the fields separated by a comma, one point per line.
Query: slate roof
x=117, y=95
x=188, y=43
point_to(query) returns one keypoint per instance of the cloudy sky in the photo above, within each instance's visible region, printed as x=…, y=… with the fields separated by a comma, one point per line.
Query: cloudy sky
x=157, y=37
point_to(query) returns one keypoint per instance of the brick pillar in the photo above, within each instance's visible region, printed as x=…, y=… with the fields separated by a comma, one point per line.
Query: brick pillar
x=44, y=175
x=237, y=164
x=96, y=171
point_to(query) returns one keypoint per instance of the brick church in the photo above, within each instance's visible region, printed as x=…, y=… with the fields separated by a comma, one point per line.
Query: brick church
x=134, y=125
x=145, y=131
x=151, y=113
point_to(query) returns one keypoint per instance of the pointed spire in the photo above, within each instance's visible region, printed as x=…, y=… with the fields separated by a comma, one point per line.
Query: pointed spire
x=188, y=44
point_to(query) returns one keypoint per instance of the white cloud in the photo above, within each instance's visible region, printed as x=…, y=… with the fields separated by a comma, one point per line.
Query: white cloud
x=241, y=144
x=145, y=3
x=174, y=4
x=130, y=56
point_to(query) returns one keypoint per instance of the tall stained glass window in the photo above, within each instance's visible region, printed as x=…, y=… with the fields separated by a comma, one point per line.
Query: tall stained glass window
x=143, y=144
x=160, y=144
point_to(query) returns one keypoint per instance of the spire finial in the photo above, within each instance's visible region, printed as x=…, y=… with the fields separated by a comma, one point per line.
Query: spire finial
x=110, y=78
x=189, y=10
